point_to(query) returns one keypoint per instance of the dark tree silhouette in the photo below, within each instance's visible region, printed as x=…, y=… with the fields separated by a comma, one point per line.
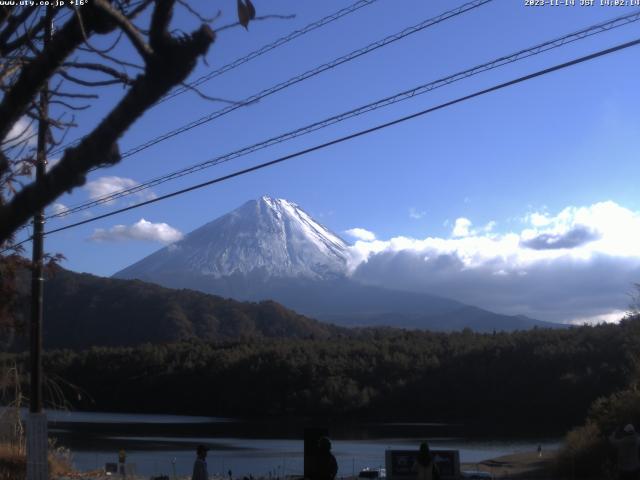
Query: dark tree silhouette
x=70, y=71
x=26, y=65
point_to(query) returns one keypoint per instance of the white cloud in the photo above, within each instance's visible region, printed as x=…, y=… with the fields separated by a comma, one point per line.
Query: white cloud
x=361, y=234
x=575, y=266
x=415, y=214
x=490, y=226
x=461, y=227
x=59, y=208
x=52, y=162
x=611, y=317
x=107, y=185
x=141, y=230
x=330, y=213
x=22, y=131
x=538, y=219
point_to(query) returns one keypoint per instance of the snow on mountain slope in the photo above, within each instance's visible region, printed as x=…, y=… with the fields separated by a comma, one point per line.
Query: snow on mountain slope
x=272, y=249
x=272, y=237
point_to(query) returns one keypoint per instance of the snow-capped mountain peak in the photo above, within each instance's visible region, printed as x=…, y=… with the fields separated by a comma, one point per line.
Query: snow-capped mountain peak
x=272, y=237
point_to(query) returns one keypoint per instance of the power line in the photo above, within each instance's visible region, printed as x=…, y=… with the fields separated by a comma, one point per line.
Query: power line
x=306, y=75
x=360, y=133
x=309, y=74
x=405, y=95
x=281, y=86
x=267, y=48
x=252, y=55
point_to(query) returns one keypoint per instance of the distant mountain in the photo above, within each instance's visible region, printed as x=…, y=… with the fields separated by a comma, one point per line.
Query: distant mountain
x=268, y=238
x=272, y=249
x=82, y=310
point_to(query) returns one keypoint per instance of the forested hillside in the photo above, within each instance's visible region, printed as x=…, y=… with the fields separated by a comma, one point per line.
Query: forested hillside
x=539, y=379
x=83, y=310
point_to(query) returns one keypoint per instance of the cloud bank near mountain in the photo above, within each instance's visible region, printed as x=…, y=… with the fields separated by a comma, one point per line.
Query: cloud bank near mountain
x=578, y=265
x=141, y=230
x=103, y=186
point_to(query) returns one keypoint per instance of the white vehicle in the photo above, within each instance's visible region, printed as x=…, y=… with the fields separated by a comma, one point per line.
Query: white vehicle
x=372, y=473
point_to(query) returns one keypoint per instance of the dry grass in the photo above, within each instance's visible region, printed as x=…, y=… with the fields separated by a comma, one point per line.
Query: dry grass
x=13, y=463
x=587, y=454
x=527, y=466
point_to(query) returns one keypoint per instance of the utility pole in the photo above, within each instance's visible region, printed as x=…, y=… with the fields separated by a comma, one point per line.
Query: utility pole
x=37, y=441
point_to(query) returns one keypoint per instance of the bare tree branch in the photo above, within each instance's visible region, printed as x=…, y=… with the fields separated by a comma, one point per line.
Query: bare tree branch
x=33, y=76
x=88, y=83
x=263, y=17
x=31, y=33
x=5, y=13
x=98, y=67
x=169, y=64
x=127, y=27
x=104, y=54
x=207, y=97
x=197, y=14
x=19, y=136
x=68, y=105
x=75, y=95
x=139, y=9
x=13, y=23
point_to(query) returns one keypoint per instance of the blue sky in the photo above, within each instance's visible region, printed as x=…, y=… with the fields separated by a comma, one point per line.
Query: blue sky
x=569, y=139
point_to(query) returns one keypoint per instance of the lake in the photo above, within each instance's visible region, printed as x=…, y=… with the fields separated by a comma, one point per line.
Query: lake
x=162, y=444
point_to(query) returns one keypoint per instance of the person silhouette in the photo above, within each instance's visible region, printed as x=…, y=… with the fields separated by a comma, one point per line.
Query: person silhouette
x=627, y=441
x=325, y=466
x=122, y=459
x=425, y=465
x=200, y=465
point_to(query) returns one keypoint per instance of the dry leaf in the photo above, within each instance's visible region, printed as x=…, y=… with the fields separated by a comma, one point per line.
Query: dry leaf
x=246, y=12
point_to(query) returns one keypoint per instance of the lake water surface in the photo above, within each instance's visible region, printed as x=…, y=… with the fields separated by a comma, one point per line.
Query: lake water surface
x=162, y=444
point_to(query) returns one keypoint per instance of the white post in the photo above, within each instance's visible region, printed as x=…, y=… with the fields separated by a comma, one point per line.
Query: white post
x=37, y=447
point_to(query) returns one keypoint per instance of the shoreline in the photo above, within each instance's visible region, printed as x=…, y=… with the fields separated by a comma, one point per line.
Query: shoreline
x=518, y=465
x=527, y=465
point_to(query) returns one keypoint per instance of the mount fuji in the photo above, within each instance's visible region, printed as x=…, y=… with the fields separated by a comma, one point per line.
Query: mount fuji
x=272, y=249
x=262, y=240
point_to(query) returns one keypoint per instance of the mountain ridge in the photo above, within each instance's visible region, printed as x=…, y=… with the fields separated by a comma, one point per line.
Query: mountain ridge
x=83, y=310
x=272, y=249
